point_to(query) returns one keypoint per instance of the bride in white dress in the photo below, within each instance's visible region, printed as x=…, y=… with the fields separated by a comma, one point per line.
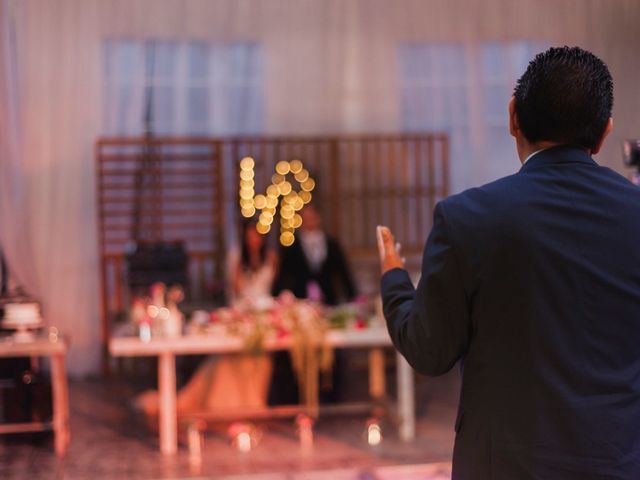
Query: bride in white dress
x=240, y=381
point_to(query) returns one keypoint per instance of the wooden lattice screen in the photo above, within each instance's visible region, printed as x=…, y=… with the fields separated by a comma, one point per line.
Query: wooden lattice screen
x=186, y=189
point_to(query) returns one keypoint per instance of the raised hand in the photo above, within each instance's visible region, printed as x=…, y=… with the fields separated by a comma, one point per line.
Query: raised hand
x=388, y=250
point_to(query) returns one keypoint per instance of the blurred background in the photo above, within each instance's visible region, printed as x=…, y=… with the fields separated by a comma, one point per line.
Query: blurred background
x=123, y=124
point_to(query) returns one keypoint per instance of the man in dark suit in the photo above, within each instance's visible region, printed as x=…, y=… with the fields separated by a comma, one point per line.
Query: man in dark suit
x=533, y=282
x=315, y=266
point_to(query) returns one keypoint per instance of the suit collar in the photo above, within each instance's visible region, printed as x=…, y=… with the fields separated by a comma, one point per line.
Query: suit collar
x=558, y=155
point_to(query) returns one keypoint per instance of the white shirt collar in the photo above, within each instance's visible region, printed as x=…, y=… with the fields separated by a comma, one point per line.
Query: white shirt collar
x=534, y=153
x=314, y=246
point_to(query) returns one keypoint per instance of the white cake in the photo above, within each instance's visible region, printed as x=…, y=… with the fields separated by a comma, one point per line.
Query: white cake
x=21, y=315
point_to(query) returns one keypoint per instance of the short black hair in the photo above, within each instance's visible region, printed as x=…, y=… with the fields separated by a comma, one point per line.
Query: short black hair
x=566, y=96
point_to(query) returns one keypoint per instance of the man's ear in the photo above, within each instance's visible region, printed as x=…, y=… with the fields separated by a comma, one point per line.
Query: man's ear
x=607, y=131
x=514, y=128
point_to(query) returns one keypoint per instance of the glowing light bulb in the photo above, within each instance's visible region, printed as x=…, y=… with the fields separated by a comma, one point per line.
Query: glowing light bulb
x=286, y=211
x=260, y=201
x=277, y=179
x=308, y=185
x=305, y=196
x=302, y=175
x=273, y=191
x=287, y=238
x=283, y=167
x=284, y=188
x=248, y=212
x=247, y=194
x=247, y=174
x=295, y=166
x=265, y=218
x=263, y=228
x=247, y=163
x=298, y=203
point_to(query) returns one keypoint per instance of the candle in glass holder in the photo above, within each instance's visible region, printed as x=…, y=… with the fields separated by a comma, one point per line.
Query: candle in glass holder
x=373, y=432
x=305, y=431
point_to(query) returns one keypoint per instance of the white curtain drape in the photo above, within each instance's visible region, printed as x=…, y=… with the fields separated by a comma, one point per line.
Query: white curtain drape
x=192, y=88
x=461, y=88
x=47, y=119
x=15, y=236
x=330, y=66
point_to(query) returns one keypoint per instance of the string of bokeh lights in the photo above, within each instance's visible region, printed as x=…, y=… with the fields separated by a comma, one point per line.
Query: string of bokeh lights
x=279, y=193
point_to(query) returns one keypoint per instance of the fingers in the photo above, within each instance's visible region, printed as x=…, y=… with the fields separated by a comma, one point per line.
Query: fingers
x=387, y=239
x=386, y=242
x=381, y=250
x=380, y=239
x=388, y=249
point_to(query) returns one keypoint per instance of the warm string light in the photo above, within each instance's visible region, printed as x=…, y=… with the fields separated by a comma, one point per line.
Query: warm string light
x=280, y=191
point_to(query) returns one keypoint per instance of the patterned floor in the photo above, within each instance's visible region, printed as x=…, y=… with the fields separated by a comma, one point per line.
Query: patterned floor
x=109, y=441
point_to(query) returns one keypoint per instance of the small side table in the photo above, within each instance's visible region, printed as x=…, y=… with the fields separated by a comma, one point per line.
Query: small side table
x=54, y=347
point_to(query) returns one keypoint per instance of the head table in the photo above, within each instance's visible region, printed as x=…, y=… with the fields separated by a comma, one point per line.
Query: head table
x=374, y=339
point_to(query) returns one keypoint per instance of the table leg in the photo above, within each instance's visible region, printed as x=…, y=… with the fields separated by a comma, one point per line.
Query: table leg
x=406, y=400
x=60, y=395
x=167, y=412
x=377, y=384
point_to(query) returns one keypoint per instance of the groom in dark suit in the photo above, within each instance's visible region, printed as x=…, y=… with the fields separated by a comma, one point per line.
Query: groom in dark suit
x=533, y=283
x=315, y=266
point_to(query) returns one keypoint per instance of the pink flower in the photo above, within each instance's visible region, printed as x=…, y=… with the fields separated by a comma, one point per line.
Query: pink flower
x=286, y=298
x=282, y=332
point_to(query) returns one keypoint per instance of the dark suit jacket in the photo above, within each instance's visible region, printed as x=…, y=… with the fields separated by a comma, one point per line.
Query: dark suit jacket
x=334, y=277
x=534, y=282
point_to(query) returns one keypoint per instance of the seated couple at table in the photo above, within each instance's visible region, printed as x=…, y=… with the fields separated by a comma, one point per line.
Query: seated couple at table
x=313, y=267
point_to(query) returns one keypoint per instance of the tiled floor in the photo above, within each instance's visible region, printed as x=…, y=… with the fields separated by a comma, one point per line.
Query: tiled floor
x=109, y=441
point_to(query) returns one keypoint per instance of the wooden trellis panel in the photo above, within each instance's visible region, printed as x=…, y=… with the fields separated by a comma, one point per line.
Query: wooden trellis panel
x=185, y=189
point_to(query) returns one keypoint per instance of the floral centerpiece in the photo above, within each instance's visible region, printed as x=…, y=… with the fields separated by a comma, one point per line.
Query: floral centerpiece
x=304, y=321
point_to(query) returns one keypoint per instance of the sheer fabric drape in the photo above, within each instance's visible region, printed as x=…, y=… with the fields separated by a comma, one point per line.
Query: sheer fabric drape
x=184, y=87
x=15, y=235
x=461, y=89
x=330, y=66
